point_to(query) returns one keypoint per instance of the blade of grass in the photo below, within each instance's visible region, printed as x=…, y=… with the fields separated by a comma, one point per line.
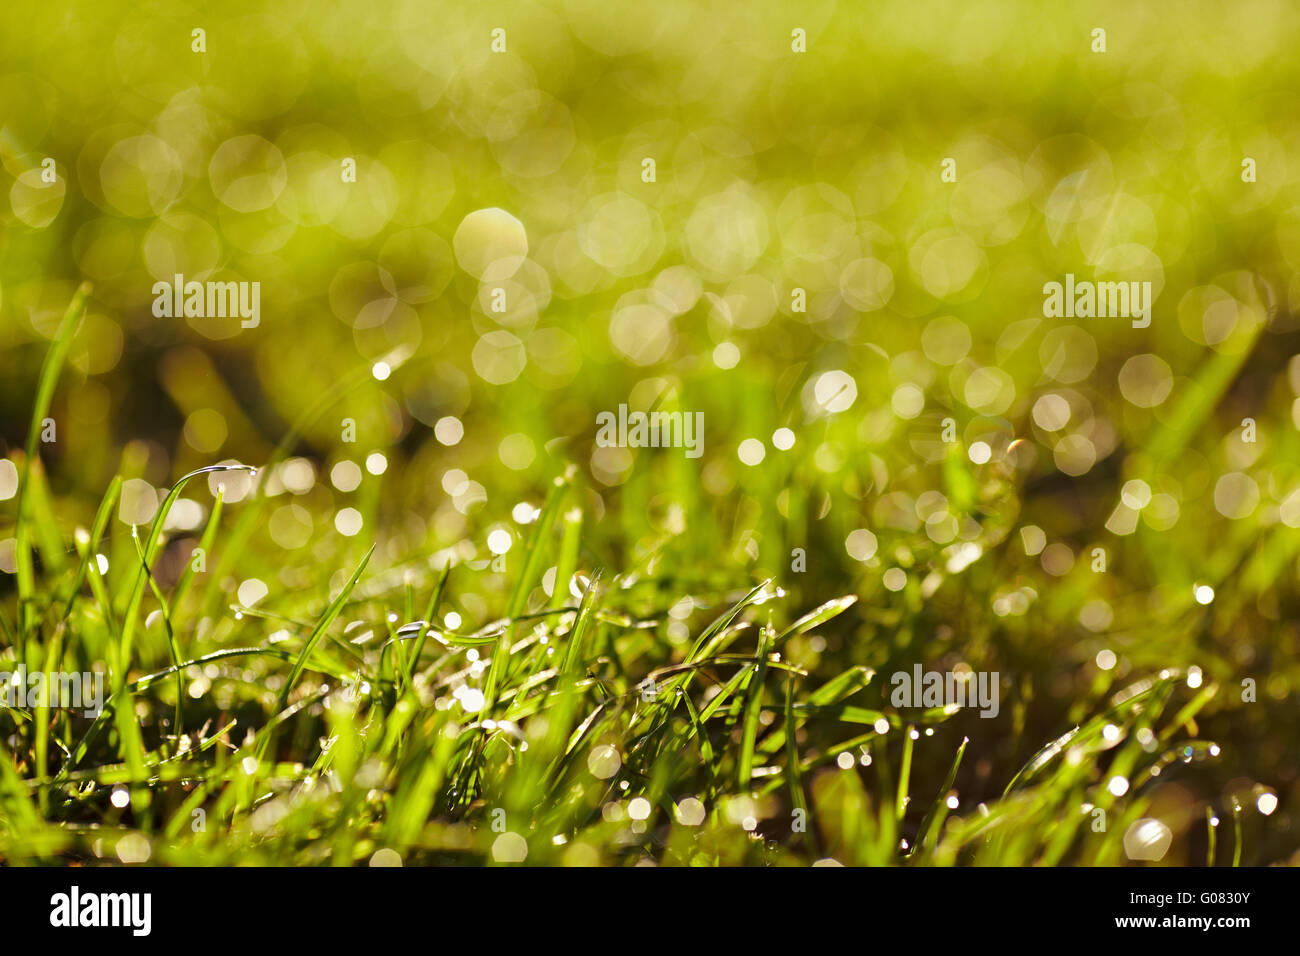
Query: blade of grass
x=206, y=540
x=534, y=555
x=97, y=529
x=325, y=620
x=753, y=707
x=430, y=614
x=167, y=624
x=923, y=834
x=45, y=384
x=905, y=774
x=151, y=546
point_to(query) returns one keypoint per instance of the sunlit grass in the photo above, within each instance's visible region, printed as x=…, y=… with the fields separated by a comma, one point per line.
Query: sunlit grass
x=555, y=733
x=365, y=583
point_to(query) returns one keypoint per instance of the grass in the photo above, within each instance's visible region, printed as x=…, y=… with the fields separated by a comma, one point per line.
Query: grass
x=362, y=586
x=599, y=735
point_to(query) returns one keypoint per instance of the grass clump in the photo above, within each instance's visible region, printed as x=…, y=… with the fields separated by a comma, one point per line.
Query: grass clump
x=651, y=713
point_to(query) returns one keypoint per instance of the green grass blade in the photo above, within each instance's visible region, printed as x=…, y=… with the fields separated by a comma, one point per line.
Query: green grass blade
x=45, y=384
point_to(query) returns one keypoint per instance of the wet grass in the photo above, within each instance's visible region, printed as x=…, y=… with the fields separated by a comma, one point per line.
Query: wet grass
x=583, y=700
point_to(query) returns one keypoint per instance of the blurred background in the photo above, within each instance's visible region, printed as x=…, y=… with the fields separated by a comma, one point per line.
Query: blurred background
x=650, y=186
